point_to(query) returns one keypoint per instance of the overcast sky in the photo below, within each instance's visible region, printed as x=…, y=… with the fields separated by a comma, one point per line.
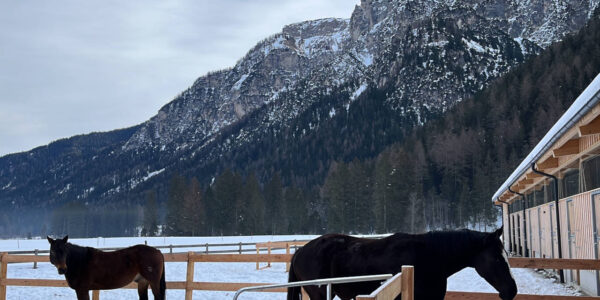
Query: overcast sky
x=74, y=67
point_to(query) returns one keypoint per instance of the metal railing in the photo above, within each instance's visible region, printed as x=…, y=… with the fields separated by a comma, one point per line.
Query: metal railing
x=319, y=282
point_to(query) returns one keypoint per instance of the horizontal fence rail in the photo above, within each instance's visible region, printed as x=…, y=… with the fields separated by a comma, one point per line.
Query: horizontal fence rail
x=279, y=245
x=191, y=258
x=327, y=281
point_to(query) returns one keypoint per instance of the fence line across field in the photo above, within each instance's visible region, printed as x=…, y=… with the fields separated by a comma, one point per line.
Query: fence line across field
x=258, y=246
x=189, y=285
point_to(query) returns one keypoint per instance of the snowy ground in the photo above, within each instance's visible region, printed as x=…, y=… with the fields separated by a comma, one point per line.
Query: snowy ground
x=528, y=281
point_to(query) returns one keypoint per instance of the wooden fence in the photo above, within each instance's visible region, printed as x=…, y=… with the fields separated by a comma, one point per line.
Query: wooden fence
x=278, y=245
x=189, y=285
x=401, y=284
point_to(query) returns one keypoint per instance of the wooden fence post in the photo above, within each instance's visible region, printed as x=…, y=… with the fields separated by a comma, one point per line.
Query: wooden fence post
x=240, y=247
x=269, y=259
x=257, y=253
x=287, y=251
x=3, y=266
x=95, y=295
x=408, y=284
x=189, y=277
x=35, y=262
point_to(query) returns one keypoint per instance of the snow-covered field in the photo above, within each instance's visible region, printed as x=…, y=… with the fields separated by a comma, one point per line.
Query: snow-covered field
x=528, y=281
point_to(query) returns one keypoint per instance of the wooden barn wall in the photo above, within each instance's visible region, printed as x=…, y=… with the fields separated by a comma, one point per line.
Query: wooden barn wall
x=577, y=229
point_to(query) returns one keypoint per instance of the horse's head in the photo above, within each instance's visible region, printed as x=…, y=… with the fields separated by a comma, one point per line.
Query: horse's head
x=492, y=264
x=58, y=253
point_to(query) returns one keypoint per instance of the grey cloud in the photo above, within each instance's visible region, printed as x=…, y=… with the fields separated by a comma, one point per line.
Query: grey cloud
x=74, y=67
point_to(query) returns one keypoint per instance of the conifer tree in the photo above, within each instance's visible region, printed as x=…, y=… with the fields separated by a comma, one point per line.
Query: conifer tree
x=177, y=188
x=275, y=216
x=150, y=223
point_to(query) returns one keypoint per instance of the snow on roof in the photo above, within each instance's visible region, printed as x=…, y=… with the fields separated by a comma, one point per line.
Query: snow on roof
x=588, y=99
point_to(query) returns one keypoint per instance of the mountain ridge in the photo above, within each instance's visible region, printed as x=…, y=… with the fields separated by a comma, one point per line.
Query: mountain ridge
x=425, y=55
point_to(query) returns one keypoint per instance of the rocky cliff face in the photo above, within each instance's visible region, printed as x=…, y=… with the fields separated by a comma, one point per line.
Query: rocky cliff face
x=429, y=54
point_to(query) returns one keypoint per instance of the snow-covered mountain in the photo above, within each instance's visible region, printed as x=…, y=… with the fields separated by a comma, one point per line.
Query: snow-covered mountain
x=426, y=56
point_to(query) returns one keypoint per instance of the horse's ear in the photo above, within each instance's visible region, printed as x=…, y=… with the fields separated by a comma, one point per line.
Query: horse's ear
x=51, y=241
x=499, y=232
x=65, y=238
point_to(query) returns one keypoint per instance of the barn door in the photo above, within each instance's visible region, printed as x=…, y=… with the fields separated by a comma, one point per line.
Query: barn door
x=596, y=223
x=553, y=237
x=518, y=235
x=539, y=222
x=570, y=231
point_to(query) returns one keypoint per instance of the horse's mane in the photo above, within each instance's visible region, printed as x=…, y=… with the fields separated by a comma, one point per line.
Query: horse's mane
x=77, y=253
x=455, y=241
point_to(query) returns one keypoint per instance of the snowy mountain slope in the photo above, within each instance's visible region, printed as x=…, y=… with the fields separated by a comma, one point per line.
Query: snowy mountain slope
x=425, y=55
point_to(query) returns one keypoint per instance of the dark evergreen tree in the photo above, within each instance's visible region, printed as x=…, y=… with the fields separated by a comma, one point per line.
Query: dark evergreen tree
x=275, y=212
x=174, y=224
x=150, y=223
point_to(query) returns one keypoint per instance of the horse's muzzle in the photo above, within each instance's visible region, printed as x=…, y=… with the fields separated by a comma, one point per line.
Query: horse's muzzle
x=62, y=271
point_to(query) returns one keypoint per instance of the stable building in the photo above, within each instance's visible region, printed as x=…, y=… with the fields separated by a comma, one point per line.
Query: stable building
x=551, y=202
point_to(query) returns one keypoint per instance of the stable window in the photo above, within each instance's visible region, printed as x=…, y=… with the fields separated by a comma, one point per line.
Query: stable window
x=549, y=192
x=529, y=199
x=571, y=183
x=538, y=197
x=591, y=174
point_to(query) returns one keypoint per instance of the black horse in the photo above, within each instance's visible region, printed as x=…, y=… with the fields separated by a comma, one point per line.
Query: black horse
x=434, y=255
x=87, y=268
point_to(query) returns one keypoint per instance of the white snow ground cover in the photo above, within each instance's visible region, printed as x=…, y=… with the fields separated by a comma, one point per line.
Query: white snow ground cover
x=528, y=281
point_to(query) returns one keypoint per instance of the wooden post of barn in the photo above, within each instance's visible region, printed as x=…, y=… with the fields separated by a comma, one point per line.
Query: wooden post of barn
x=189, y=277
x=3, y=266
x=95, y=295
x=287, y=251
x=408, y=284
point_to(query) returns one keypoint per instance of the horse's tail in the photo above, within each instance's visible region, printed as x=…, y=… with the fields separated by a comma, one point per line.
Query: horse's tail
x=163, y=284
x=293, y=293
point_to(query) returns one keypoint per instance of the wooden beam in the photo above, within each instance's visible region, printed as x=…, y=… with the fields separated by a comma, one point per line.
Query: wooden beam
x=569, y=148
x=592, y=127
x=554, y=263
x=550, y=163
x=525, y=181
x=532, y=175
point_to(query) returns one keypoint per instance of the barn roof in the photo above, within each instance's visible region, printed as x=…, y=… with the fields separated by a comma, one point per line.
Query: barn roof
x=586, y=101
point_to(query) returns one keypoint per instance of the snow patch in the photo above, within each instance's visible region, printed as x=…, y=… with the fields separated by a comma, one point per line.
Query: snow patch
x=7, y=186
x=332, y=112
x=65, y=189
x=152, y=174
x=238, y=84
x=519, y=40
x=365, y=58
x=474, y=45
x=359, y=91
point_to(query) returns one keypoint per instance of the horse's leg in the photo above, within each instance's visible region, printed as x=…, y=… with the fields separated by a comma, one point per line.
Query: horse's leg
x=83, y=294
x=433, y=289
x=143, y=289
x=154, y=278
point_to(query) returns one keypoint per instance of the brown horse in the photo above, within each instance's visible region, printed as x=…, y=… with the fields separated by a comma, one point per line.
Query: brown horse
x=87, y=268
x=435, y=256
